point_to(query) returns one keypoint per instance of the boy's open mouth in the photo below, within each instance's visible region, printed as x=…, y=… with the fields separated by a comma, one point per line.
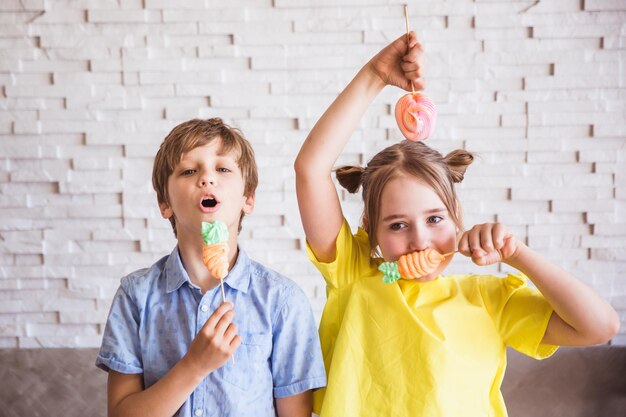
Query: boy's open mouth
x=209, y=202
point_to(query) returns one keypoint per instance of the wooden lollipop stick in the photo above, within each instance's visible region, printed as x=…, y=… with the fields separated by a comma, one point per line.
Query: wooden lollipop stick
x=406, y=19
x=224, y=300
x=222, y=288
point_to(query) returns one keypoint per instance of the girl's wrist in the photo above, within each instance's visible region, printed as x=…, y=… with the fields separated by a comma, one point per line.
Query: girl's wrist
x=375, y=83
x=515, y=260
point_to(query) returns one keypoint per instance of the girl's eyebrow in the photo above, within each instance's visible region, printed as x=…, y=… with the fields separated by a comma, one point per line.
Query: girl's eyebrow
x=400, y=216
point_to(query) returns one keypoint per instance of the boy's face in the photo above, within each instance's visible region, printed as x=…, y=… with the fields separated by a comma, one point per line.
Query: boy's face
x=206, y=186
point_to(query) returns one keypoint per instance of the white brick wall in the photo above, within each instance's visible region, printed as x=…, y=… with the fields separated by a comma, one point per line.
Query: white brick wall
x=88, y=89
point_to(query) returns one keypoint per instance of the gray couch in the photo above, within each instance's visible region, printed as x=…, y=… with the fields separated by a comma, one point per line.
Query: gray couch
x=582, y=382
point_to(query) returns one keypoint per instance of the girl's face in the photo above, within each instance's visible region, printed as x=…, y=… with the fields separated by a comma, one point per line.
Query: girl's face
x=413, y=218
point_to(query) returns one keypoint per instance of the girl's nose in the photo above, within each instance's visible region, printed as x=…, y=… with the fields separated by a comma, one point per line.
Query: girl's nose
x=420, y=240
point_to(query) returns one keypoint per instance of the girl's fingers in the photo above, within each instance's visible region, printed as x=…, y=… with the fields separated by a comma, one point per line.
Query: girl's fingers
x=410, y=67
x=500, y=233
x=463, y=245
x=509, y=247
x=486, y=237
x=474, y=242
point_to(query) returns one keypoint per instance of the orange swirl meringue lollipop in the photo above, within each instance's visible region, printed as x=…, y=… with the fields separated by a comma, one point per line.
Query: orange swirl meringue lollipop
x=412, y=265
x=416, y=116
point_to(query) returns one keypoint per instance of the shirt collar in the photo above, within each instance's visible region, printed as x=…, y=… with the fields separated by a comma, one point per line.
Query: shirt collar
x=238, y=277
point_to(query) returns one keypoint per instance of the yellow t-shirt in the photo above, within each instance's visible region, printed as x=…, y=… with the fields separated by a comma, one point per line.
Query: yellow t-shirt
x=420, y=349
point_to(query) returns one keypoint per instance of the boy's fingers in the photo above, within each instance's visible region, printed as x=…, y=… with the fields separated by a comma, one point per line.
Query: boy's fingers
x=217, y=315
x=230, y=333
x=234, y=344
x=224, y=322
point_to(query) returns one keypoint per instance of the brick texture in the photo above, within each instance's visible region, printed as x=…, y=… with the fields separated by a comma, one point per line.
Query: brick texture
x=88, y=90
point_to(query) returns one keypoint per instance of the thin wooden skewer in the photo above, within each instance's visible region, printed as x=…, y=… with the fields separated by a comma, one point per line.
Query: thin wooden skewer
x=406, y=19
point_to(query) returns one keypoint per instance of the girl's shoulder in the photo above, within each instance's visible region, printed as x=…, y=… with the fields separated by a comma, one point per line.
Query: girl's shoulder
x=487, y=282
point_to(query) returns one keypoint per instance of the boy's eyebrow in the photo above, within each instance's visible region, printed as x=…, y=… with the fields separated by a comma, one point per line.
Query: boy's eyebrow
x=400, y=216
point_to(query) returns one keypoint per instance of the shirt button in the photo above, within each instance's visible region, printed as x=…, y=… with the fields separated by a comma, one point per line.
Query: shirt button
x=198, y=412
x=204, y=309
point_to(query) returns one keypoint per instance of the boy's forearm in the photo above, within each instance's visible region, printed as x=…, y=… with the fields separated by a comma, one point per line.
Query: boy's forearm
x=163, y=398
x=299, y=405
x=578, y=305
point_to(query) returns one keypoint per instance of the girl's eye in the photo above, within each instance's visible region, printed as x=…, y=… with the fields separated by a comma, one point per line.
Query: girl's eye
x=396, y=226
x=188, y=172
x=435, y=219
x=223, y=169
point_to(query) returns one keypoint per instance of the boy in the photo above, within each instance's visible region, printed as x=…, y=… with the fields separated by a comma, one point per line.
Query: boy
x=169, y=338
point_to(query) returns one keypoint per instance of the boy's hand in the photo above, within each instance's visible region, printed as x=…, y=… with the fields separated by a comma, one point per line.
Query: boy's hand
x=398, y=64
x=488, y=243
x=216, y=341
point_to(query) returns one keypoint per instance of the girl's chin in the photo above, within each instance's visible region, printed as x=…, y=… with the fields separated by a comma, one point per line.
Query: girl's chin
x=428, y=278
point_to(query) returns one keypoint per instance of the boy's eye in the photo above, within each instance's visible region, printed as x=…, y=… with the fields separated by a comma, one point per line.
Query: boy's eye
x=223, y=169
x=435, y=219
x=396, y=226
x=188, y=172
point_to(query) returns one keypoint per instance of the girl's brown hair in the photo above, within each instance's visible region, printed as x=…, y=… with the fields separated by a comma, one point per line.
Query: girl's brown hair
x=192, y=134
x=410, y=158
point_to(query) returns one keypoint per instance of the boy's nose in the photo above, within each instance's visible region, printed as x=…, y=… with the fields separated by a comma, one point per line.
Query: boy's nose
x=207, y=179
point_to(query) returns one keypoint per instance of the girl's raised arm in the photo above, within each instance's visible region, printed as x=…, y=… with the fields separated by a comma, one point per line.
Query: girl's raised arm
x=319, y=205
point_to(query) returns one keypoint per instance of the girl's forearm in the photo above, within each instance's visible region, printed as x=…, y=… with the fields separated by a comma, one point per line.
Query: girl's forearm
x=332, y=131
x=590, y=316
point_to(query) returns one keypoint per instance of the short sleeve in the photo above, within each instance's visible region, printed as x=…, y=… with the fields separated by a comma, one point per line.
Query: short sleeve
x=521, y=314
x=120, y=350
x=352, y=258
x=297, y=364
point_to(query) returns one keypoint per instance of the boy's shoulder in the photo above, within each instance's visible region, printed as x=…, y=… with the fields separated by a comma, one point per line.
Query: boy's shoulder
x=275, y=285
x=143, y=281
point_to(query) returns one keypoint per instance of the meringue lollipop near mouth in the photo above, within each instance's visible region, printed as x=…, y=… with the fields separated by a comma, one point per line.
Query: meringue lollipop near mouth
x=416, y=116
x=412, y=265
x=215, y=250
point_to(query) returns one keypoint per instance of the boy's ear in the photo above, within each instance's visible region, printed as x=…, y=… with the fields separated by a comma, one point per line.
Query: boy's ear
x=166, y=210
x=248, y=204
x=365, y=224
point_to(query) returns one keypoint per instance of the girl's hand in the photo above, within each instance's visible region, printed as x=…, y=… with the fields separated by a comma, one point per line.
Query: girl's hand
x=216, y=341
x=488, y=243
x=398, y=64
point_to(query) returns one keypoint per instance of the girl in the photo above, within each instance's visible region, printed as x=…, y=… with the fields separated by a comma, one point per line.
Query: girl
x=433, y=346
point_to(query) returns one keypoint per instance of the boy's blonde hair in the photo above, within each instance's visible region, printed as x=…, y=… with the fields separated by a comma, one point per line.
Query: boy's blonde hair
x=410, y=158
x=192, y=134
